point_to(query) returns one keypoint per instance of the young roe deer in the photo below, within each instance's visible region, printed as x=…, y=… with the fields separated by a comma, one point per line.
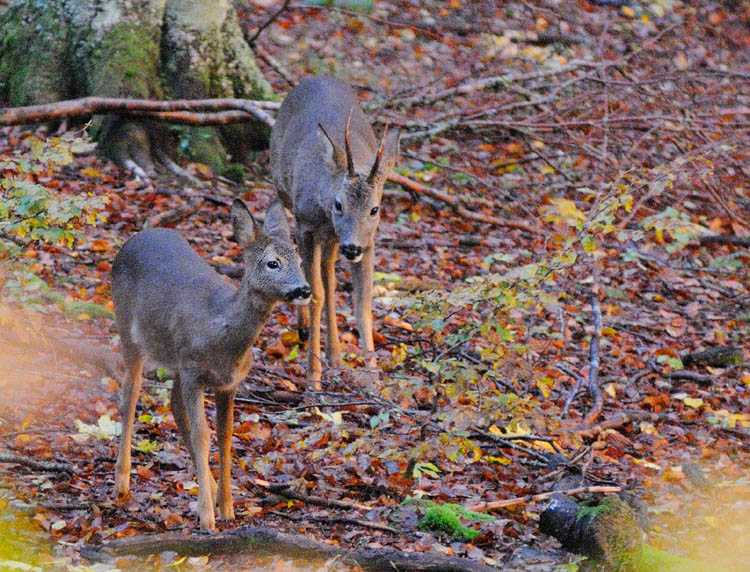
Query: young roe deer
x=329, y=171
x=172, y=306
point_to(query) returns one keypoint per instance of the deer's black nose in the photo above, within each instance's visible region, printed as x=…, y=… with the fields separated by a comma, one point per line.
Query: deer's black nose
x=301, y=293
x=351, y=251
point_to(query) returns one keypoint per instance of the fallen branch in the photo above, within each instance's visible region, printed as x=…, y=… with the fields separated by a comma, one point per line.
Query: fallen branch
x=34, y=464
x=455, y=203
x=259, y=541
x=528, y=499
x=596, y=392
x=725, y=239
x=682, y=375
x=268, y=22
x=620, y=419
x=286, y=491
x=336, y=520
x=100, y=105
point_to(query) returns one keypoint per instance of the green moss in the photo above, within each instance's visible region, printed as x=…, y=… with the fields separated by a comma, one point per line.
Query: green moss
x=235, y=172
x=203, y=145
x=124, y=62
x=34, y=59
x=655, y=560
x=444, y=519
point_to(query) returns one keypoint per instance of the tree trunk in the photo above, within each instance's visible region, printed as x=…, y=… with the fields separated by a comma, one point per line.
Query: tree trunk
x=157, y=49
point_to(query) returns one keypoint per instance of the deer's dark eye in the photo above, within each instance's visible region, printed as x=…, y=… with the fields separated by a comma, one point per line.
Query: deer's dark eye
x=272, y=264
x=337, y=205
x=374, y=211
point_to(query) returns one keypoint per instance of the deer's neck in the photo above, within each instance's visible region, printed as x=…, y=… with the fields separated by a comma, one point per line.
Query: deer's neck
x=244, y=316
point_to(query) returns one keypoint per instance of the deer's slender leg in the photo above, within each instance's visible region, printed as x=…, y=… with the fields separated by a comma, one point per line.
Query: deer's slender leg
x=333, y=345
x=304, y=244
x=224, y=427
x=362, y=273
x=310, y=251
x=200, y=438
x=177, y=405
x=128, y=399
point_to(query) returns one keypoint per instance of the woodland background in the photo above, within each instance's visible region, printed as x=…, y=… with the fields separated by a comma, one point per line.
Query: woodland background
x=567, y=222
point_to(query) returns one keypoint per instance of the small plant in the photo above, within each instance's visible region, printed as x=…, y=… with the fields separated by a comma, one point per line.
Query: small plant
x=444, y=519
x=32, y=211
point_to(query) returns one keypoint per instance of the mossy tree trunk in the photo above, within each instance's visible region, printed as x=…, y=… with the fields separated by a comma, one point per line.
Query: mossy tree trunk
x=63, y=49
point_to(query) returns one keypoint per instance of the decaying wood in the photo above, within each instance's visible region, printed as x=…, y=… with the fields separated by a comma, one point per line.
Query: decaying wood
x=505, y=503
x=721, y=356
x=260, y=541
x=609, y=534
x=99, y=105
x=34, y=463
x=455, y=203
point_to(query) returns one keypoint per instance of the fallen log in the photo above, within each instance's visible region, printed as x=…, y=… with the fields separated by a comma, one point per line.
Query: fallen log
x=609, y=534
x=261, y=540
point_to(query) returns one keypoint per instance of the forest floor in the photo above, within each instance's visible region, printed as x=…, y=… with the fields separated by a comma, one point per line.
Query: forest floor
x=619, y=136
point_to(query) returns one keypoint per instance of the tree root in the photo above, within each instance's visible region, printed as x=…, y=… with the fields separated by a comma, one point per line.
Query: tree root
x=259, y=541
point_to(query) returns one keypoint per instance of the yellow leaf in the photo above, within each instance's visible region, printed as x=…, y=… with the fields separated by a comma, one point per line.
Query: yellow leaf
x=500, y=460
x=495, y=430
x=609, y=389
x=627, y=11
x=568, y=209
x=694, y=402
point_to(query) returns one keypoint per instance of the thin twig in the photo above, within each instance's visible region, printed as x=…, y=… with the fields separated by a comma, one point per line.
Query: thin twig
x=268, y=22
x=486, y=507
x=456, y=204
x=574, y=391
x=336, y=520
x=596, y=393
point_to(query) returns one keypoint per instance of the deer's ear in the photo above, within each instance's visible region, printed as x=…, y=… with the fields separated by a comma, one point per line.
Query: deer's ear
x=243, y=224
x=333, y=157
x=390, y=153
x=386, y=156
x=276, y=225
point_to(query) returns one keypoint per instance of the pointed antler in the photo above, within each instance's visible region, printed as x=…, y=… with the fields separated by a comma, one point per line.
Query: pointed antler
x=376, y=165
x=349, y=158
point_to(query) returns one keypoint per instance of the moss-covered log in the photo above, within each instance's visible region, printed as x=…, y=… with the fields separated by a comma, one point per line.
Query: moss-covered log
x=147, y=49
x=609, y=534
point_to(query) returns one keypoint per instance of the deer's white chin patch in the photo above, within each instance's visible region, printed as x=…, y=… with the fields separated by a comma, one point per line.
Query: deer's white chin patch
x=302, y=301
x=358, y=259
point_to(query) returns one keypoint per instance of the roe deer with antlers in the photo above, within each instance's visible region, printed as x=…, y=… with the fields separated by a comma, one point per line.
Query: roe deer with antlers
x=329, y=170
x=172, y=306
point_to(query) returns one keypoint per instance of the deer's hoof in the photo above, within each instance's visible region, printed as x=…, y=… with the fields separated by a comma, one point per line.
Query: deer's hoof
x=227, y=511
x=122, y=485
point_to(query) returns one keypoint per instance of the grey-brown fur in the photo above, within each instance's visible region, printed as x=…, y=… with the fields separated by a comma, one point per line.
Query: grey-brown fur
x=334, y=191
x=172, y=306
